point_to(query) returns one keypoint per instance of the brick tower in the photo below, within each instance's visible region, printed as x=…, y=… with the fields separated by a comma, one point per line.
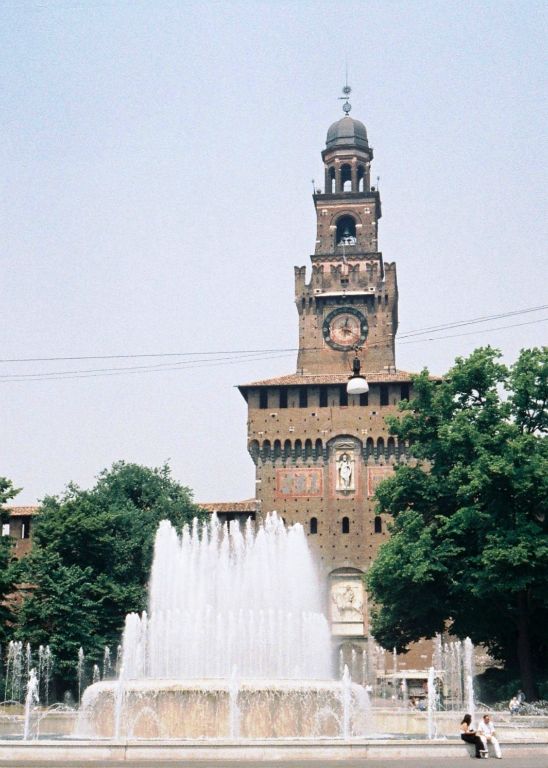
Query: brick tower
x=320, y=452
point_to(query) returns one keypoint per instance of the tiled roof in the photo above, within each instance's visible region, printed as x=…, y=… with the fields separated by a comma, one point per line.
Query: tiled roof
x=296, y=379
x=22, y=511
x=249, y=505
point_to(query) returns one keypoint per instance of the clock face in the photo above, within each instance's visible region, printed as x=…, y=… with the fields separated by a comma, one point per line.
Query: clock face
x=344, y=328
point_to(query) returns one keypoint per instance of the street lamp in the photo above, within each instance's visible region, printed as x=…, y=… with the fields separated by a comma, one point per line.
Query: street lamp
x=357, y=385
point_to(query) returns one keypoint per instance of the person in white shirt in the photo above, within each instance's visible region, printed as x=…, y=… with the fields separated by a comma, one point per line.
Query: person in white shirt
x=486, y=728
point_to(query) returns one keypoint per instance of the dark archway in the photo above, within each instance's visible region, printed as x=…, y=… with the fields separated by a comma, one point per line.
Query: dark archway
x=346, y=231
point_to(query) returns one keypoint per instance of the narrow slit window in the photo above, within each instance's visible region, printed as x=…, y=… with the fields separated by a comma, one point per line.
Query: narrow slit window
x=346, y=525
x=313, y=525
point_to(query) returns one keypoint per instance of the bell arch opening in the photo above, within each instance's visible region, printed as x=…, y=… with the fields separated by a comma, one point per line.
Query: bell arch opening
x=346, y=231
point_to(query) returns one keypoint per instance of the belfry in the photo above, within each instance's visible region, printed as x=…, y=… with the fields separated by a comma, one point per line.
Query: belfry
x=319, y=451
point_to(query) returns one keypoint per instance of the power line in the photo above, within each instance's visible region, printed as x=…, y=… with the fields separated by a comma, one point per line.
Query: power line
x=181, y=365
x=88, y=374
x=472, y=333
x=229, y=358
x=416, y=332
x=473, y=321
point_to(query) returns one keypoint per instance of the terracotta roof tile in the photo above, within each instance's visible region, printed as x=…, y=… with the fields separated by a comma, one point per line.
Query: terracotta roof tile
x=249, y=505
x=22, y=511
x=296, y=379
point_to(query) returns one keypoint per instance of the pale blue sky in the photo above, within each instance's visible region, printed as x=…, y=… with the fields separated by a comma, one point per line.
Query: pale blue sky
x=156, y=174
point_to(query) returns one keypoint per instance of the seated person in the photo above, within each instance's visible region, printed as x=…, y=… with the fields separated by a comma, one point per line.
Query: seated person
x=469, y=735
x=486, y=729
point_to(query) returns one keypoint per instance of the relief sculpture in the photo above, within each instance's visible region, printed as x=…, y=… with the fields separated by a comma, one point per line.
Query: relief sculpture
x=347, y=602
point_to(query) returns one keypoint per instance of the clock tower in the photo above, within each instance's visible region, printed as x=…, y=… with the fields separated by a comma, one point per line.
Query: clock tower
x=320, y=451
x=351, y=301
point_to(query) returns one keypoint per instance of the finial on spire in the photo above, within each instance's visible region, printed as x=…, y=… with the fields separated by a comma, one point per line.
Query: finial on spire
x=347, y=90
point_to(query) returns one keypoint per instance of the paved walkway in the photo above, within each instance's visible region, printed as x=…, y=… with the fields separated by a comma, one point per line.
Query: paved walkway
x=539, y=761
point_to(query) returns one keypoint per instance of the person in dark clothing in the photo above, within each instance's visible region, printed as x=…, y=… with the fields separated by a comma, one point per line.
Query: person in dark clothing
x=468, y=734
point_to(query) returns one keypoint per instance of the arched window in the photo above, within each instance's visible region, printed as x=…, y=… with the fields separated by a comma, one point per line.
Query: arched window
x=346, y=231
x=319, y=448
x=332, y=182
x=287, y=449
x=346, y=178
x=378, y=524
x=298, y=449
x=277, y=449
x=313, y=525
x=254, y=450
x=361, y=178
x=380, y=447
x=345, y=525
x=308, y=449
x=391, y=447
x=370, y=447
x=266, y=449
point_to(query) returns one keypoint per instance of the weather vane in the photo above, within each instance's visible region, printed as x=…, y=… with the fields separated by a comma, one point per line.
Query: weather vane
x=347, y=90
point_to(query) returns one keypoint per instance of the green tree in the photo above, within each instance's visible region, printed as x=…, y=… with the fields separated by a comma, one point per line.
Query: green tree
x=7, y=575
x=90, y=561
x=468, y=551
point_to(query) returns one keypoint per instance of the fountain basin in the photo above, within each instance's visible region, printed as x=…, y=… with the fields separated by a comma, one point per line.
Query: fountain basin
x=213, y=708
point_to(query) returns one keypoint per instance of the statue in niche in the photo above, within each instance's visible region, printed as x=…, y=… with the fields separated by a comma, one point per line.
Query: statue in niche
x=345, y=472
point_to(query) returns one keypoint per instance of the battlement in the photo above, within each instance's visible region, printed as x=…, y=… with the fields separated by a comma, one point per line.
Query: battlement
x=367, y=276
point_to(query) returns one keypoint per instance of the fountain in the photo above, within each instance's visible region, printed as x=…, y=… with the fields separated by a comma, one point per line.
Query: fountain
x=31, y=700
x=234, y=644
x=14, y=671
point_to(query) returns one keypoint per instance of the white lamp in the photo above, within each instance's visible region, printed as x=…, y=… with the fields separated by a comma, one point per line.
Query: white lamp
x=357, y=385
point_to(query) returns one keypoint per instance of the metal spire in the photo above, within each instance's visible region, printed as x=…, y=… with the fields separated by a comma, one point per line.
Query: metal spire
x=347, y=90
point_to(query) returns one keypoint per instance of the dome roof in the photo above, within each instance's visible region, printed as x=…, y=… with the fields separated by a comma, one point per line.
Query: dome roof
x=347, y=132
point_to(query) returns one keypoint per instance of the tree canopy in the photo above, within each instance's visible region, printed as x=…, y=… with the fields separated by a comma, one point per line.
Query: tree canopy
x=468, y=551
x=91, y=557
x=7, y=492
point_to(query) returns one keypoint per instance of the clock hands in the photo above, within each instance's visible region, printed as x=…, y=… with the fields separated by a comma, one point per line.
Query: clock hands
x=346, y=329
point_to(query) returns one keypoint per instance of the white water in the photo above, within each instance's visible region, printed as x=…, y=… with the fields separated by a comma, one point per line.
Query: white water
x=469, y=676
x=431, y=702
x=221, y=600
x=31, y=701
